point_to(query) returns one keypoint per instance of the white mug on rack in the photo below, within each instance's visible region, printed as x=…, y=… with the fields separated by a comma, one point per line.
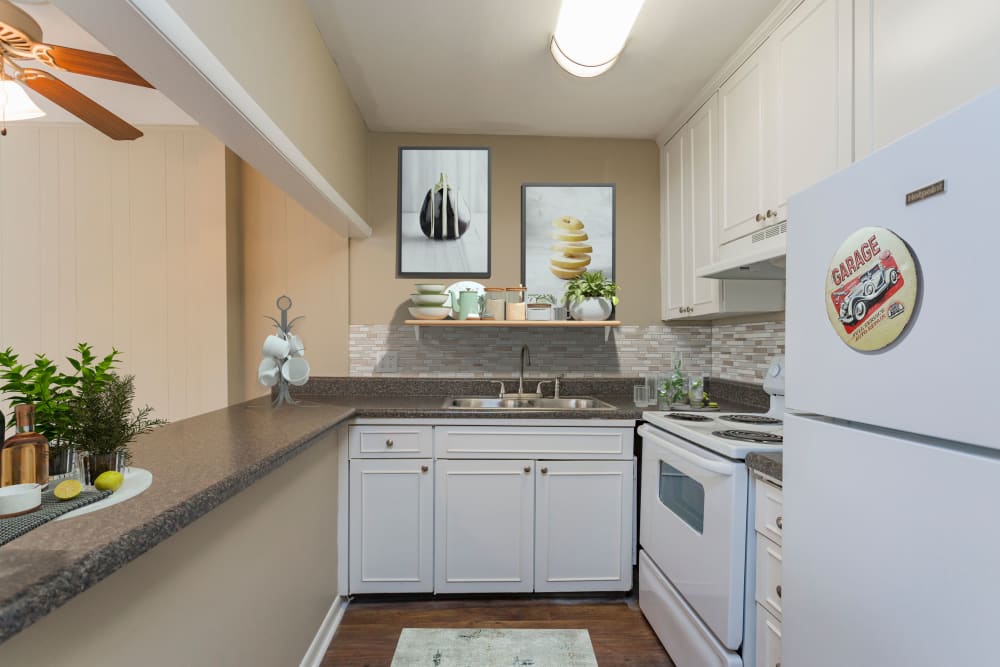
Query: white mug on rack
x=295, y=346
x=296, y=371
x=276, y=346
x=267, y=372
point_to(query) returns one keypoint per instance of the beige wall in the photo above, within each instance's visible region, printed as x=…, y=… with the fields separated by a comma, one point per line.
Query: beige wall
x=247, y=584
x=275, y=51
x=277, y=248
x=118, y=244
x=377, y=296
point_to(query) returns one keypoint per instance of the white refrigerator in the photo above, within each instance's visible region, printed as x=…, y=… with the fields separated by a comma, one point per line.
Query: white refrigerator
x=891, y=539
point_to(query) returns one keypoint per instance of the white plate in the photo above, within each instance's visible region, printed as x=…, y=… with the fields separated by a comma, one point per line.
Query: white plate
x=466, y=285
x=136, y=481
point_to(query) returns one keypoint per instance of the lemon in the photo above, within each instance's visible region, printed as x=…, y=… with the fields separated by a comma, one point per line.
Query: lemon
x=566, y=235
x=67, y=490
x=569, y=261
x=573, y=248
x=109, y=480
x=568, y=222
x=566, y=274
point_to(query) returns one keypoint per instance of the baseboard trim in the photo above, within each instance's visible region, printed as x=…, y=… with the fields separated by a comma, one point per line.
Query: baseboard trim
x=317, y=649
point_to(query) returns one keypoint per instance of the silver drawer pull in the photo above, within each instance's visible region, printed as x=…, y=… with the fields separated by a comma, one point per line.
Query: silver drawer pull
x=545, y=471
x=527, y=468
x=389, y=443
x=424, y=468
x=779, y=591
x=759, y=217
x=778, y=522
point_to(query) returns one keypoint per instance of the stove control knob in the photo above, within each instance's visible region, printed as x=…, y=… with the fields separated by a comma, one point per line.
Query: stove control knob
x=775, y=370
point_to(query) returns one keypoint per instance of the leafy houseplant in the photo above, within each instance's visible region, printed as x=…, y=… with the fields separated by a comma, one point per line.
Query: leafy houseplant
x=591, y=296
x=43, y=385
x=104, y=423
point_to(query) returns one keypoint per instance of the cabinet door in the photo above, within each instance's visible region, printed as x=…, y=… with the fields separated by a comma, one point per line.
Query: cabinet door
x=744, y=142
x=701, y=183
x=484, y=519
x=675, y=260
x=391, y=526
x=917, y=60
x=810, y=105
x=583, y=529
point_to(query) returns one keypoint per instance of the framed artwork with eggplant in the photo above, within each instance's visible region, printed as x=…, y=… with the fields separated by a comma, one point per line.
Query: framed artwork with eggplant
x=443, y=212
x=567, y=229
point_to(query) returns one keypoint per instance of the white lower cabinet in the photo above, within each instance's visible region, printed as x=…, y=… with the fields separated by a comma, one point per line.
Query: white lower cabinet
x=391, y=526
x=583, y=525
x=484, y=526
x=500, y=509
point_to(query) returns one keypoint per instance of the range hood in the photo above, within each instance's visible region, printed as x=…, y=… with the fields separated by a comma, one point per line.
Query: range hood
x=756, y=256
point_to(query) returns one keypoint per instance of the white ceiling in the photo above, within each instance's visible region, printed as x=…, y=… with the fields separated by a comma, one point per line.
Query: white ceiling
x=137, y=105
x=483, y=66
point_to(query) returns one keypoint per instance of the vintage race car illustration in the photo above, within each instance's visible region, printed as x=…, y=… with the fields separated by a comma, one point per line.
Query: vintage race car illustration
x=869, y=290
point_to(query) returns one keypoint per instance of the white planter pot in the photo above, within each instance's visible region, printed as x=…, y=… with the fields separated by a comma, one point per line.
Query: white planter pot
x=593, y=309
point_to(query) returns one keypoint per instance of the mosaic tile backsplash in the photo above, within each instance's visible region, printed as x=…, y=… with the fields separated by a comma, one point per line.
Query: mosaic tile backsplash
x=732, y=352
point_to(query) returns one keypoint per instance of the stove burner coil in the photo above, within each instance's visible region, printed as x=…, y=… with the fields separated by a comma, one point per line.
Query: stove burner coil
x=750, y=436
x=752, y=419
x=688, y=417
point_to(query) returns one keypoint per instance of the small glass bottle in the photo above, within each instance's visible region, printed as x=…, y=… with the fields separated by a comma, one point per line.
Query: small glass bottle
x=24, y=458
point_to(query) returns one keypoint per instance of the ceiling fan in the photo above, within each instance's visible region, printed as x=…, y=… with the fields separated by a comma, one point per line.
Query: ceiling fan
x=21, y=39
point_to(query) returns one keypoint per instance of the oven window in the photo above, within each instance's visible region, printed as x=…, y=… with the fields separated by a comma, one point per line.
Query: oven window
x=683, y=496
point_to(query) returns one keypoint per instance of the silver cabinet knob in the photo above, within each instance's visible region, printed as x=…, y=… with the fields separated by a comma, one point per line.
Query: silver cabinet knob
x=527, y=468
x=759, y=217
x=389, y=443
x=424, y=468
x=778, y=589
x=778, y=522
x=771, y=213
x=545, y=471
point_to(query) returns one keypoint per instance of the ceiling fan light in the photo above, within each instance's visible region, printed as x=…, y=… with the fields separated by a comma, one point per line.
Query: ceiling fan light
x=15, y=103
x=590, y=34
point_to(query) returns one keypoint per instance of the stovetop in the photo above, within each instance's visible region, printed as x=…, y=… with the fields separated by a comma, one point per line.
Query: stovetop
x=732, y=434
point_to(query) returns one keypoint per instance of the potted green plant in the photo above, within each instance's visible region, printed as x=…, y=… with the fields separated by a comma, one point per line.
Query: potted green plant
x=43, y=385
x=104, y=424
x=591, y=296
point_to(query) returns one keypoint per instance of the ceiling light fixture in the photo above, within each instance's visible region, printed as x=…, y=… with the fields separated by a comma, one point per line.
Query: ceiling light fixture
x=590, y=34
x=15, y=103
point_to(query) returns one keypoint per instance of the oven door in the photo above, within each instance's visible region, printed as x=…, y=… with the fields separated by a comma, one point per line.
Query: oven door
x=693, y=522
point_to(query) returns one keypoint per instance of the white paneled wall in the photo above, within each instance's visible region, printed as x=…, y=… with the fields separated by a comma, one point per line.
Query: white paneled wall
x=119, y=244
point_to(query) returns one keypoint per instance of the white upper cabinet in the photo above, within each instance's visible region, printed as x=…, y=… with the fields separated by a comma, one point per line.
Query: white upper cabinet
x=786, y=116
x=701, y=204
x=918, y=59
x=810, y=104
x=673, y=257
x=744, y=139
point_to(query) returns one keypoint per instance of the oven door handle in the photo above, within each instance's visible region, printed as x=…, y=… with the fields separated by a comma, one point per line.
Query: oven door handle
x=718, y=467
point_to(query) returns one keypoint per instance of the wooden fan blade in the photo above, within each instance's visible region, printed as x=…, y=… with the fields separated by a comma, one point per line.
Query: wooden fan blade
x=78, y=104
x=89, y=63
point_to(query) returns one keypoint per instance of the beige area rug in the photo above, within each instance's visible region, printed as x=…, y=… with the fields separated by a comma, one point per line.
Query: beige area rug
x=471, y=647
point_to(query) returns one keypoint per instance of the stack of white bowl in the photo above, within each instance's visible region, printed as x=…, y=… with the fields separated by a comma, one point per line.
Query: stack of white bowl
x=430, y=302
x=283, y=357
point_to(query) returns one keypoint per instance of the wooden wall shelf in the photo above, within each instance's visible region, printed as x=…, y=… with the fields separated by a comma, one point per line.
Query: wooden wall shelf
x=607, y=325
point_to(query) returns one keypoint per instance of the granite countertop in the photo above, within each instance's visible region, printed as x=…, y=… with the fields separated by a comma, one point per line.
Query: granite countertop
x=199, y=463
x=765, y=463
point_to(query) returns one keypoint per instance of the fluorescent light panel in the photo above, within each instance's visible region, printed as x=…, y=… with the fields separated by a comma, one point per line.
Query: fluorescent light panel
x=590, y=34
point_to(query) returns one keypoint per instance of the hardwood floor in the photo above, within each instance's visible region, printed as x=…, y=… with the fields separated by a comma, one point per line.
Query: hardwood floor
x=621, y=637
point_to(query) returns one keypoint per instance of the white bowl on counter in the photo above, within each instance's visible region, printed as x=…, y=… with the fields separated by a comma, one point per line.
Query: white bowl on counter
x=429, y=313
x=429, y=299
x=19, y=499
x=429, y=288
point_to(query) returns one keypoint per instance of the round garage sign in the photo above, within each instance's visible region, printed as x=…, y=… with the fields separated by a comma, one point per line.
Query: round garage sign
x=871, y=289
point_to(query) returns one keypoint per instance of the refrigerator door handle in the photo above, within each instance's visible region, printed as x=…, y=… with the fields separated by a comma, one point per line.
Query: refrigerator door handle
x=718, y=467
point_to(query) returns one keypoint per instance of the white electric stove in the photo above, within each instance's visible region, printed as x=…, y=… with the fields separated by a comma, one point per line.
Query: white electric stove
x=694, y=517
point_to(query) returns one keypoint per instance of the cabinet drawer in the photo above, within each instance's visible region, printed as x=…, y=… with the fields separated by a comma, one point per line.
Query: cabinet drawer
x=487, y=442
x=769, y=576
x=391, y=441
x=768, y=639
x=767, y=517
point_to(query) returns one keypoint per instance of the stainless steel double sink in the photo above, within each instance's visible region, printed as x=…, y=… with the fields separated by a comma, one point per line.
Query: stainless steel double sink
x=492, y=403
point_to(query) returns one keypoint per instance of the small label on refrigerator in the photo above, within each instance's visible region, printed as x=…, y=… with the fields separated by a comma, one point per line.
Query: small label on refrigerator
x=871, y=289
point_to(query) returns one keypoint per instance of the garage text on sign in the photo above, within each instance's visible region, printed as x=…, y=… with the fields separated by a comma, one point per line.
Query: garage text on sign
x=852, y=263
